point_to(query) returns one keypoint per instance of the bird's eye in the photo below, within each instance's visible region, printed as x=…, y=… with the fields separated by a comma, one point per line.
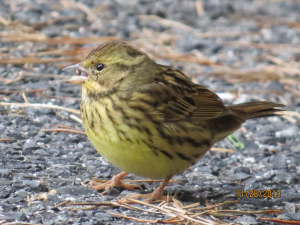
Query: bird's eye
x=100, y=66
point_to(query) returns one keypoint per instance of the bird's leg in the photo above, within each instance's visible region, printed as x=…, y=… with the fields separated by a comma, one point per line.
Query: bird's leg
x=155, y=195
x=113, y=182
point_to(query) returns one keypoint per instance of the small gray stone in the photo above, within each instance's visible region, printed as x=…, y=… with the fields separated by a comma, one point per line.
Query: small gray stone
x=246, y=220
x=30, y=145
x=15, y=216
x=103, y=216
x=5, y=173
x=290, y=208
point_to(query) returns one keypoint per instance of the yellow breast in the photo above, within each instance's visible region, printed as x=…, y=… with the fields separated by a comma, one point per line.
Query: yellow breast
x=136, y=140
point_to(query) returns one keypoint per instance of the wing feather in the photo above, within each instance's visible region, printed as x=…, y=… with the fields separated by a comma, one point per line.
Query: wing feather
x=177, y=98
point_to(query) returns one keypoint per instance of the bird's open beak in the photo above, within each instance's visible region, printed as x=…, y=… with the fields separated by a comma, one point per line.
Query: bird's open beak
x=81, y=74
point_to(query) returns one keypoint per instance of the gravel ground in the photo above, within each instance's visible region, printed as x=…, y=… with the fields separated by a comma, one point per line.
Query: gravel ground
x=244, y=50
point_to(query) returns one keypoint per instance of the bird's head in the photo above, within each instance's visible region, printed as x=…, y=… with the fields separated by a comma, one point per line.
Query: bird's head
x=113, y=65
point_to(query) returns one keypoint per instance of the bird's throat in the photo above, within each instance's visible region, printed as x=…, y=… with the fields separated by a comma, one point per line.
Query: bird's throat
x=93, y=90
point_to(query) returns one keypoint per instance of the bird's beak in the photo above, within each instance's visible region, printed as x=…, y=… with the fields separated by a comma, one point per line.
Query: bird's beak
x=81, y=74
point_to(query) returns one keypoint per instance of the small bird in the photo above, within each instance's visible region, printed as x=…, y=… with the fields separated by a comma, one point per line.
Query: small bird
x=149, y=119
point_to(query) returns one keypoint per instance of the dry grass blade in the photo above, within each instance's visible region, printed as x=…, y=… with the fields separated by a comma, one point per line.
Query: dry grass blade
x=175, y=210
x=246, y=75
x=279, y=61
x=212, y=206
x=41, y=105
x=7, y=81
x=66, y=127
x=63, y=130
x=59, y=97
x=289, y=113
x=249, y=212
x=38, y=61
x=40, y=25
x=191, y=205
x=289, y=119
x=4, y=21
x=265, y=21
x=25, y=97
x=26, y=74
x=153, y=181
x=286, y=70
x=185, y=58
x=223, y=34
x=199, y=8
x=19, y=223
x=167, y=22
x=173, y=213
x=290, y=82
x=272, y=47
x=91, y=16
x=59, y=40
x=62, y=204
x=62, y=52
x=75, y=118
x=137, y=219
x=137, y=208
x=23, y=91
x=294, y=91
x=222, y=150
x=280, y=221
x=97, y=204
x=171, y=23
x=6, y=139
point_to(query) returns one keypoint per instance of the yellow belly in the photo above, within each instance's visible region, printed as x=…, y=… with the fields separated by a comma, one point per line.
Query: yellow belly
x=137, y=158
x=134, y=143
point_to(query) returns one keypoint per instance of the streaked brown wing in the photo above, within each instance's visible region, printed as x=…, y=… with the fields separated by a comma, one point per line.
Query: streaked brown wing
x=177, y=98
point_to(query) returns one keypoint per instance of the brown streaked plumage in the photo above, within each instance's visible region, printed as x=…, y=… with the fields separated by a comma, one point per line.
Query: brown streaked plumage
x=149, y=119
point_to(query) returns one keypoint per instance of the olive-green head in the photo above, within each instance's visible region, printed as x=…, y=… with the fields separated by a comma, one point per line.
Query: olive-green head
x=113, y=65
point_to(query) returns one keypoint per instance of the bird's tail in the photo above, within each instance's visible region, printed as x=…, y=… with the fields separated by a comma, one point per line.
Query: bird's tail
x=252, y=110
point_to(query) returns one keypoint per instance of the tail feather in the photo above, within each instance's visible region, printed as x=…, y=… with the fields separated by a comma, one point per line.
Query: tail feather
x=252, y=110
